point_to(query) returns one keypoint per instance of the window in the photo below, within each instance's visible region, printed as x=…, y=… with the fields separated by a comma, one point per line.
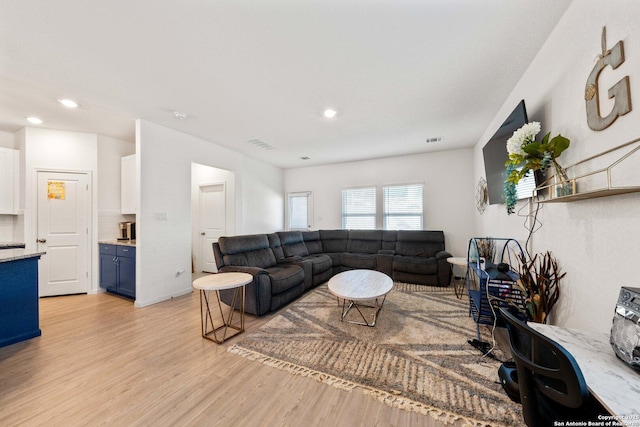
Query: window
x=359, y=208
x=299, y=211
x=402, y=208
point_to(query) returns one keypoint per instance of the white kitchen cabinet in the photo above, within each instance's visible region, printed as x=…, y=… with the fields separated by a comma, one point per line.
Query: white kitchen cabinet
x=128, y=185
x=9, y=180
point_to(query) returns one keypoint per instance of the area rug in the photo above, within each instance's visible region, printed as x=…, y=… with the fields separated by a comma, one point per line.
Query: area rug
x=416, y=357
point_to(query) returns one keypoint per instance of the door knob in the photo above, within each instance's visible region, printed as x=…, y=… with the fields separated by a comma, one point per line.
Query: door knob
x=41, y=240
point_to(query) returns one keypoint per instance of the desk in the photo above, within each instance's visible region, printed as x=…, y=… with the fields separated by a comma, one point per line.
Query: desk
x=610, y=380
x=217, y=282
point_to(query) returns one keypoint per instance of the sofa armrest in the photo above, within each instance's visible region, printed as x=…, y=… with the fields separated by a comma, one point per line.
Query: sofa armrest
x=290, y=260
x=443, y=255
x=254, y=271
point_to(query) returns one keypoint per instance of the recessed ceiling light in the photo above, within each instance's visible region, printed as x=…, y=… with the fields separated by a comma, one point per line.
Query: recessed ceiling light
x=330, y=113
x=34, y=120
x=180, y=115
x=69, y=103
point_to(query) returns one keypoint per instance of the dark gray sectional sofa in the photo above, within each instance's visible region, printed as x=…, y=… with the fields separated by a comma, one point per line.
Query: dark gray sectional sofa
x=286, y=264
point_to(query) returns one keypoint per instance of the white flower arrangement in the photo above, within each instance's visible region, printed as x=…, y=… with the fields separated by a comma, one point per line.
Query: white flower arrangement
x=521, y=137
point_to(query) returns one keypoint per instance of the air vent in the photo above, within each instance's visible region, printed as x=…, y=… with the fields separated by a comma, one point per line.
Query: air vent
x=260, y=144
x=305, y=158
x=436, y=139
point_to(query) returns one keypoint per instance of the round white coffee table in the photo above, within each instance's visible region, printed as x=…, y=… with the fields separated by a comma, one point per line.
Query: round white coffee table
x=217, y=282
x=361, y=285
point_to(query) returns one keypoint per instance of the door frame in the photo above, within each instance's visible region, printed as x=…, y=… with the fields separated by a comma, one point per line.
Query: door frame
x=32, y=234
x=200, y=264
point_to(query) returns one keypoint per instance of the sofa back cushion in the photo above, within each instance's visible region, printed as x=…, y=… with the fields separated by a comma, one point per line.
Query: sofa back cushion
x=247, y=251
x=275, y=245
x=419, y=243
x=364, y=241
x=312, y=242
x=334, y=240
x=389, y=238
x=292, y=243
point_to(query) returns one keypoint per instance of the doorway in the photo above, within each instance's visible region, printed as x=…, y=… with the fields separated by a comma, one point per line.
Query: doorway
x=63, y=219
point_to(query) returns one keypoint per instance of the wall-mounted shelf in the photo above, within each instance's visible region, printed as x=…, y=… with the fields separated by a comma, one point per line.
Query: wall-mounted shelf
x=599, y=182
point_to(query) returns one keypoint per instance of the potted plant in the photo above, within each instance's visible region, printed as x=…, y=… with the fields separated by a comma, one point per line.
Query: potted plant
x=539, y=284
x=526, y=155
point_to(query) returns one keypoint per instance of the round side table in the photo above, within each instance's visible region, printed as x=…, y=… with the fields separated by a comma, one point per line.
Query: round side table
x=458, y=284
x=217, y=282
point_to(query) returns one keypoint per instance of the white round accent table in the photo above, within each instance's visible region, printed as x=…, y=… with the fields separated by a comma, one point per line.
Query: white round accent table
x=217, y=282
x=458, y=284
x=355, y=286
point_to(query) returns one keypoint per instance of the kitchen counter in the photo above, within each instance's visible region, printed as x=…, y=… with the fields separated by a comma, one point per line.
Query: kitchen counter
x=4, y=245
x=17, y=254
x=119, y=242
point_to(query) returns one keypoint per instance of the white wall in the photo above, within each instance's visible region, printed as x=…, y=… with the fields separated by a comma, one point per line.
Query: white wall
x=263, y=202
x=110, y=151
x=165, y=158
x=448, y=181
x=593, y=240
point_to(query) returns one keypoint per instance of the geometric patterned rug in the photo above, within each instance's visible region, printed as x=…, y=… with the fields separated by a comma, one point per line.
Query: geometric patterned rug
x=416, y=357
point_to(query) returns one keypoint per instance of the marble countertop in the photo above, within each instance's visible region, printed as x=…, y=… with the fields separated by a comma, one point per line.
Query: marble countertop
x=16, y=254
x=11, y=245
x=614, y=384
x=119, y=242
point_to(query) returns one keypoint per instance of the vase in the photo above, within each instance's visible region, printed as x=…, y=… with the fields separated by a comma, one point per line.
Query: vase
x=563, y=185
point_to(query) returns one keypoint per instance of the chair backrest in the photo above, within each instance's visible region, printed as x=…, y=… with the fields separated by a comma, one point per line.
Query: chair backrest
x=551, y=382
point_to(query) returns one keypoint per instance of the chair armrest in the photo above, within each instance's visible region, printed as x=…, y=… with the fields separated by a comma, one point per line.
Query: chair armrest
x=443, y=255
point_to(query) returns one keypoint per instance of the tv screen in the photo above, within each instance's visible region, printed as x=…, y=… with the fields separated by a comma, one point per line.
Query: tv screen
x=495, y=155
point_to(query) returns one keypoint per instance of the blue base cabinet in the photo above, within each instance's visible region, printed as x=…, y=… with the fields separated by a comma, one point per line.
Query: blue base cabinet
x=19, y=316
x=118, y=269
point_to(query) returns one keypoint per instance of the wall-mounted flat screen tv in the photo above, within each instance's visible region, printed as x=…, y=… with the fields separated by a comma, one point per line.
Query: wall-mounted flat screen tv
x=495, y=155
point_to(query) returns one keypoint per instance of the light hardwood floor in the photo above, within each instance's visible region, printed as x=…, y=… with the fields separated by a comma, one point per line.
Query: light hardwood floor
x=101, y=361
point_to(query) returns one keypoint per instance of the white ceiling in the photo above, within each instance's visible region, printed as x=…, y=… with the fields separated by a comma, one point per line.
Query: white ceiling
x=398, y=72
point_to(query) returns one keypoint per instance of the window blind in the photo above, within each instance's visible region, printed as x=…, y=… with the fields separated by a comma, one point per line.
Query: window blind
x=403, y=207
x=359, y=208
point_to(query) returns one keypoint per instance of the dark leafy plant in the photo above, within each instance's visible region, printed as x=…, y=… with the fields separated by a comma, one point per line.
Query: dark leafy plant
x=539, y=284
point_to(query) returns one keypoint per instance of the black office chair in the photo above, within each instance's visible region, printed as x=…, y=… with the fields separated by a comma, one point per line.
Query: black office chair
x=552, y=387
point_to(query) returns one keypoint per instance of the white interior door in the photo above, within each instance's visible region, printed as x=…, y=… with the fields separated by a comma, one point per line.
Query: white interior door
x=63, y=232
x=213, y=221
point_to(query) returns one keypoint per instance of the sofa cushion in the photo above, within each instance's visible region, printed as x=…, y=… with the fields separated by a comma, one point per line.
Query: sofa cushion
x=251, y=250
x=389, y=238
x=319, y=263
x=415, y=264
x=284, y=278
x=364, y=241
x=352, y=260
x=292, y=243
x=334, y=240
x=276, y=247
x=312, y=241
x=419, y=243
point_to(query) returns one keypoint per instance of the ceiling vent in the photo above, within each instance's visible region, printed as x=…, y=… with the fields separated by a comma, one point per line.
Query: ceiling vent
x=436, y=139
x=260, y=144
x=305, y=158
